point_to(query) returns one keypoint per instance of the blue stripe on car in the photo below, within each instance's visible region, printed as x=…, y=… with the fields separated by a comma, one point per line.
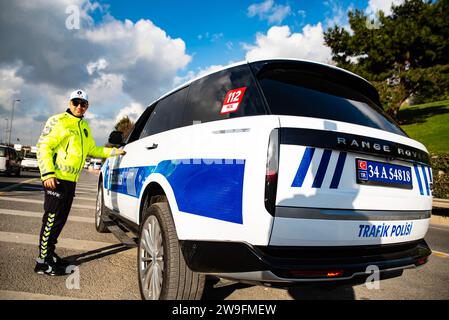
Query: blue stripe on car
x=418, y=177
x=303, y=167
x=338, y=170
x=206, y=187
x=319, y=177
x=425, y=180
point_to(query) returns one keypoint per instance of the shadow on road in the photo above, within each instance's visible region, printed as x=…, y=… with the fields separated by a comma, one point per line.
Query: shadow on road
x=79, y=259
x=323, y=292
x=216, y=289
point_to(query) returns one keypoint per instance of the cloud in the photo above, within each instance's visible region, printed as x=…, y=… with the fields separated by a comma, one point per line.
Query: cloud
x=119, y=63
x=269, y=11
x=337, y=15
x=281, y=42
x=383, y=5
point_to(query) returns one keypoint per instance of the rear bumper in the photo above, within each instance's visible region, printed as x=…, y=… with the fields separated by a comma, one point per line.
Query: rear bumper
x=281, y=264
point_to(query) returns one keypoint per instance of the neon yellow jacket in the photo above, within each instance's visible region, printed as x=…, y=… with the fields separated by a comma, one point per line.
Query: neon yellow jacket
x=63, y=146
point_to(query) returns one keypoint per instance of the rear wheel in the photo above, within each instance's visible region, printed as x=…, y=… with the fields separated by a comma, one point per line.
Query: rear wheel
x=99, y=211
x=162, y=271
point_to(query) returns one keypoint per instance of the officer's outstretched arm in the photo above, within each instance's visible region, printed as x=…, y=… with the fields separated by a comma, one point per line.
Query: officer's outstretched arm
x=103, y=152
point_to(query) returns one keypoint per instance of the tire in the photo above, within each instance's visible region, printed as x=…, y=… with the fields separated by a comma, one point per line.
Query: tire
x=18, y=172
x=169, y=278
x=99, y=211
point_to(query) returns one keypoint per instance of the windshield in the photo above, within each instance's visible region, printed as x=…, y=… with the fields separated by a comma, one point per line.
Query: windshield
x=30, y=156
x=2, y=152
x=295, y=92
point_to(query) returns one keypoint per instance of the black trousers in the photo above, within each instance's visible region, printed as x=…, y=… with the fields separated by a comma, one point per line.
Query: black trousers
x=57, y=206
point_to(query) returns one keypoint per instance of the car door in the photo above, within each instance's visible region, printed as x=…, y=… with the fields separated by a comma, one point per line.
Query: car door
x=158, y=141
x=112, y=180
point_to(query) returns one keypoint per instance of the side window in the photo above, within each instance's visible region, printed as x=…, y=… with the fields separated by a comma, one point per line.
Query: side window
x=207, y=96
x=13, y=154
x=140, y=124
x=167, y=115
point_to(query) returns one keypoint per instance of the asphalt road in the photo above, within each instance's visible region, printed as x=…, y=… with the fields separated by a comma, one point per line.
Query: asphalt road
x=108, y=270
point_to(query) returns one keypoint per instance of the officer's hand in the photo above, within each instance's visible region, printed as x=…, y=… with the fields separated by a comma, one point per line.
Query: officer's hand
x=120, y=152
x=50, y=183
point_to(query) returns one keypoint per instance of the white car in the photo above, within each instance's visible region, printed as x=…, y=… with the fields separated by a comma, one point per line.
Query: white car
x=273, y=172
x=29, y=162
x=10, y=161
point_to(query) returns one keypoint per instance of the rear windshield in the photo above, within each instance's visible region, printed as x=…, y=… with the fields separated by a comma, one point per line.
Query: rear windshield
x=2, y=152
x=30, y=156
x=295, y=92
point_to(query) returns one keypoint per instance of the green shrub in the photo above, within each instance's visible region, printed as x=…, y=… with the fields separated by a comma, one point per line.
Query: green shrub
x=440, y=170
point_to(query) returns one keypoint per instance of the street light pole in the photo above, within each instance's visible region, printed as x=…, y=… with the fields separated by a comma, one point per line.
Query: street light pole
x=12, y=118
x=6, y=131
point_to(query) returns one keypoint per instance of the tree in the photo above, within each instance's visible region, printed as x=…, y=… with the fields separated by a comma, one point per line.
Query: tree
x=124, y=125
x=405, y=55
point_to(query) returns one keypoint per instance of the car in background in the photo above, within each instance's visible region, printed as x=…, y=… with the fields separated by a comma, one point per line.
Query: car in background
x=97, y=165
x=10, y=161
x=29, y=162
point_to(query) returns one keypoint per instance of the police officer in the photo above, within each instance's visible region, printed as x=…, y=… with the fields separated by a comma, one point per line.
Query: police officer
x=62, y=149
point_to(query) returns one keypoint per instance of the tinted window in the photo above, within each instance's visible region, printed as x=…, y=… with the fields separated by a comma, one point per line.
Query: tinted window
x=207, y=95
x=299, y=93
x=2, y=152
x=140, y=124
x=167, y=114
x=13, y=154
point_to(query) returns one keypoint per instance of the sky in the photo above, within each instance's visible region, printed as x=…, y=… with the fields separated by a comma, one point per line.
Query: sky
x=125, y=54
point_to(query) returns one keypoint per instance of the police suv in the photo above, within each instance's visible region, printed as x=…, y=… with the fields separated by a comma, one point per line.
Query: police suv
x=271, y=172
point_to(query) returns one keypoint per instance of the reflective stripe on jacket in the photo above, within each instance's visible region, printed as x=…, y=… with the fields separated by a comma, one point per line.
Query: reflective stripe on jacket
x=64, y=145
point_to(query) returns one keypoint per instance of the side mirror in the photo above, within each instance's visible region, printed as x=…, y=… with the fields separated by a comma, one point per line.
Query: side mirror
x=116, y=138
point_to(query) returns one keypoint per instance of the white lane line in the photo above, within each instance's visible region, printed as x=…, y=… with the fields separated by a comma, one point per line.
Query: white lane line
x=66, y=243
x=20, y=295
x=432, y=227
x=84, y=198
x=31, y=214
x=79, y=206
x=87, y=189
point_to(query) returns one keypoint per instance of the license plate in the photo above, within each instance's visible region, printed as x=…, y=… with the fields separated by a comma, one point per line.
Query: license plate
x=383, y=174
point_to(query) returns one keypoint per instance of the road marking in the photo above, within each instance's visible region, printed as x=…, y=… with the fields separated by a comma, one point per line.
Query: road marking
x=79, y=206
x=20, y=295
x=431, y=227
x=87, y=189
x=440, y=254
x=66, y=243
x=8, y=188
x=31, y=214
x=83, y=198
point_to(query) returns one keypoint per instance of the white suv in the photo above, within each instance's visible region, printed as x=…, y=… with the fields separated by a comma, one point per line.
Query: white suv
x=273, y=172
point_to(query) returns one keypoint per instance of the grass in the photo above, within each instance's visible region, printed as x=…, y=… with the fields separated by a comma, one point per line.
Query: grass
x=428, y=123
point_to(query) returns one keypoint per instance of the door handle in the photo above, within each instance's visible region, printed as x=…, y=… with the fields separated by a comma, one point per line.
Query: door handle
x=154, y=146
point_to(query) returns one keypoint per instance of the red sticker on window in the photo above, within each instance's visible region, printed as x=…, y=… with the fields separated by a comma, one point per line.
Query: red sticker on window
x=232, y=100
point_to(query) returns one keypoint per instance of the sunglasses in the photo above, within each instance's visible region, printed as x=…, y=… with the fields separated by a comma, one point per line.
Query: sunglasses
x=83, y=103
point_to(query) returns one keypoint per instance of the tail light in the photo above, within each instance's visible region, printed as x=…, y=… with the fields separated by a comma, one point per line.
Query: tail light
x=317, y=273
x=271, y=176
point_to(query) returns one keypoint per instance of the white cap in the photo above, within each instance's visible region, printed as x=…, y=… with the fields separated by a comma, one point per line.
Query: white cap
x=79, y=94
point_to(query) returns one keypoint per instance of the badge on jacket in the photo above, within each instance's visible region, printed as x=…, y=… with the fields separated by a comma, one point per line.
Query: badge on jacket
x=46, y=131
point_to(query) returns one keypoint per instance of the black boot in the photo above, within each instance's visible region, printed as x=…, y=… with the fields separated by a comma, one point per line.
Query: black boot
x=49, y=267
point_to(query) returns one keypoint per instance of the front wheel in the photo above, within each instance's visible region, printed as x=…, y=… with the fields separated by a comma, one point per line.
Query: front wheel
x=99, y=211
x=162, y=271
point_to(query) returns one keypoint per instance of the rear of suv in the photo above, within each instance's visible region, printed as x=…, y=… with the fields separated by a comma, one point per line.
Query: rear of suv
x=274, y=172
x=10, y=161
